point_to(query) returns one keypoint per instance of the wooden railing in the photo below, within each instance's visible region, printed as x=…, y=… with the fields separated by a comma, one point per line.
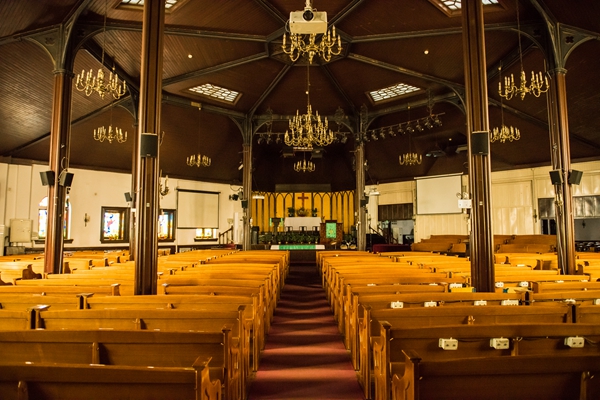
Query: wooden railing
x=226, y=237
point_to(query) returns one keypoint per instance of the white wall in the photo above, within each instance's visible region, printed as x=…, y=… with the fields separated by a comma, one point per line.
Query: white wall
x=21, y=191
x=515, y=197
x=514, y=200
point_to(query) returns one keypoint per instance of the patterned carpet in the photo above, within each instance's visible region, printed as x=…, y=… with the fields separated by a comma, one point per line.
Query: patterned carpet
x=304, y=357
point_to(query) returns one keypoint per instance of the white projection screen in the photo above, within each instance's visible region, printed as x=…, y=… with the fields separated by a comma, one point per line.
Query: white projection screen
x=197, y=209
x=437, y=195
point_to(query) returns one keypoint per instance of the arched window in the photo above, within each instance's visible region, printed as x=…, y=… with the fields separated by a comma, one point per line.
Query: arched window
x=43, y=219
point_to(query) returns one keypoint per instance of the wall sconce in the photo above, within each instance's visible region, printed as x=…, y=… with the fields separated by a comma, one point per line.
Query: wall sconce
x=165, y=191
x=86, y=219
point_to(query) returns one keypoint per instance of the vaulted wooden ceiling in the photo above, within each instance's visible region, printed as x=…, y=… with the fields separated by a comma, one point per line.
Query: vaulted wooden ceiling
x=236, y=44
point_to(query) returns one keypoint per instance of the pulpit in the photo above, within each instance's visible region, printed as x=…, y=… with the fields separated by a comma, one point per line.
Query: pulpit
x=331, y=231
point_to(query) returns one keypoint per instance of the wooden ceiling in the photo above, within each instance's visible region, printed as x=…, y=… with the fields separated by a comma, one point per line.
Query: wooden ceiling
x=236, y=44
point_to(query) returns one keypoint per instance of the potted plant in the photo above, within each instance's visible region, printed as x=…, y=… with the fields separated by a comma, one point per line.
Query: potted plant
x=291, y=211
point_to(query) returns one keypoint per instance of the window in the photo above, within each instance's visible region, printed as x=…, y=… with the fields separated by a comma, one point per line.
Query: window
x=206, y=234
x=166, y=230
x=43, y=219
x=115, y=225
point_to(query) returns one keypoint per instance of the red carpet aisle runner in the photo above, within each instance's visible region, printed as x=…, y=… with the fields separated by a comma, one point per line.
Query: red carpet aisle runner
x=304, y=357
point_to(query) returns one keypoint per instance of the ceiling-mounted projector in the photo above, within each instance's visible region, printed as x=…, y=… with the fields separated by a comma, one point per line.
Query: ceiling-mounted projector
x=308, y=21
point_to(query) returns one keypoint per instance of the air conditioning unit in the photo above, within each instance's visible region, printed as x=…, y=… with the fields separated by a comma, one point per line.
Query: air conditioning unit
x=308, y=21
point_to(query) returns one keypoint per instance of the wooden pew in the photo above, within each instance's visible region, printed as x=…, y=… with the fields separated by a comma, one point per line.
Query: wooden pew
x=212, y=303
x=474, y=341
x=127, y=348
x=544, y=287
x=101, y=289
x=371, y=345
x=521, y=377
x=25, y=381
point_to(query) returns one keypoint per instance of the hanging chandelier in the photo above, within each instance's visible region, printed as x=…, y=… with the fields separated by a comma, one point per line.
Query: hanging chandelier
x=304, y=166
x=537, y=86
x=198, y=160
x=88, y=83
x=101, y=134
x=307, y=130
x=302, y=42
x=410, y=159
x=298, y=45
x=504, y=133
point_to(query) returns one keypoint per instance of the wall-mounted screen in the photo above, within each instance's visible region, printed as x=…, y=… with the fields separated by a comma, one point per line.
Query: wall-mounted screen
x=197, y=209
x=437, y=195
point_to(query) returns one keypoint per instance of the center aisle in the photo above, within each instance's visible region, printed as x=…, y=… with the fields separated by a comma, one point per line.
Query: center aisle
x=304, y=357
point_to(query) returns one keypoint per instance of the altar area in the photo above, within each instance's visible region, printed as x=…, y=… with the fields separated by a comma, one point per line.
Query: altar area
x=297, y=223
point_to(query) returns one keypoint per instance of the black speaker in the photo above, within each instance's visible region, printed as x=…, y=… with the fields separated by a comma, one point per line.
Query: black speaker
x=149, y=145
x=244, y=203
x=47, y=178
x=556, y=177
x=65, y=179
x=364, y=202
x=480, y=143
x=575, y=177
x=128, y=197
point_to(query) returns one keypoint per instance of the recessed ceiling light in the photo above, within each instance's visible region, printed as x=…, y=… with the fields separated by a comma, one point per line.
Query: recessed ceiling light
x=190, y=56
x=426, y=52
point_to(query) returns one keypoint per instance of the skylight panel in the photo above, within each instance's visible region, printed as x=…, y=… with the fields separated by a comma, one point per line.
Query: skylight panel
x=391, y=92
x=452, y=7
x=139, y=4
x=216, y=92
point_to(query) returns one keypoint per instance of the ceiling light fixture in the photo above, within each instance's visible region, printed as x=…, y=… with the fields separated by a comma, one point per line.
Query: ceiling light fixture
x=101, y=134
x=307, y=130
x=89, y=84
x=198, y=160
x=538, y=85
x=303, y=31
x=504, y=133
x=410, y=159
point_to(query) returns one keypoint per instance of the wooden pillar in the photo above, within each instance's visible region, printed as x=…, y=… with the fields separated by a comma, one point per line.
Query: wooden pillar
x=561, y=160
x=59, y=162
x=359, y=198
x=247, y=186
x=481, y=242
x=146, y=199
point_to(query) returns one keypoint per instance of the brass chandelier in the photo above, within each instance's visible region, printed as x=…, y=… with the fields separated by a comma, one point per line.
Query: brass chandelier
x=304, y=166
x=88, y=83
x=504, y=133
x=299, y=45
x=410, y=159
x=198, y=160
x=101, y=134
x=307, y=130
x=537, y=86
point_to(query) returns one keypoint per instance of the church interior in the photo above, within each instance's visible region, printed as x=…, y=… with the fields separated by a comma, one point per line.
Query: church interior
x=281, y=199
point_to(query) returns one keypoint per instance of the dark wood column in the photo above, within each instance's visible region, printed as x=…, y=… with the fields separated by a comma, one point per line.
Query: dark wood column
x=359, y=210
x=561, y=161
x=247, y=185
x=59, y=162
x=146, y=199
x=482, y=243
